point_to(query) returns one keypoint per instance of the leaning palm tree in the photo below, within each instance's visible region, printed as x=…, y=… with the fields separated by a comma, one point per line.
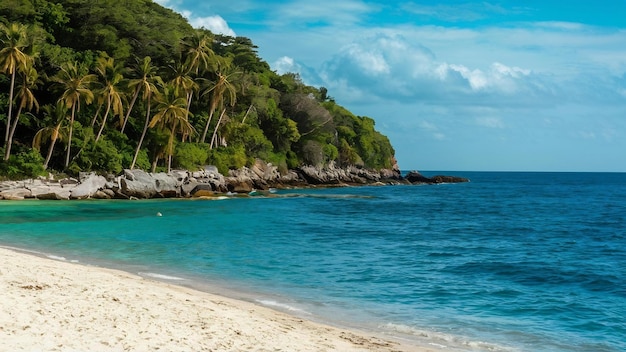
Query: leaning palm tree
x=27, y=100
x=183, y=82
x=58, y=115
x=171, y=115
x=218, y=91
x=13, y=58
x=111, y=76
x=145, y=71
x=148, y=87
x=74, y=82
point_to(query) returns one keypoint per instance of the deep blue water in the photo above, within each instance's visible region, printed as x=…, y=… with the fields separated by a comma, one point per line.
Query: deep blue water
x=507, y=262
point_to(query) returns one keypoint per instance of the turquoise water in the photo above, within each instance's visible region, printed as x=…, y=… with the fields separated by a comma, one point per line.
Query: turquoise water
x=507, y=262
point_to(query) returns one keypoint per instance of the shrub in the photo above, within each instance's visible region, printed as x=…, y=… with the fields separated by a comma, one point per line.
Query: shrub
x=24, y=164
x=191, y=156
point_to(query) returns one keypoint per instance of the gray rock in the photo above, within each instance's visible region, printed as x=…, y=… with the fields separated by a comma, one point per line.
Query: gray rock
x=140, y=184
x=52, y=191
x=89, y=185
x=16, y=194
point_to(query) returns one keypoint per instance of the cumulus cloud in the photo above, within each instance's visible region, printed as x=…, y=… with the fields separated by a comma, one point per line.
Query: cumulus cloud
x=286, y=64
x=392, y=67
x=215, y=24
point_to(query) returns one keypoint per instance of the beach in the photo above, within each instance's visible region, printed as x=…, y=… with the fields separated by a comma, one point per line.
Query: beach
x=53, y=305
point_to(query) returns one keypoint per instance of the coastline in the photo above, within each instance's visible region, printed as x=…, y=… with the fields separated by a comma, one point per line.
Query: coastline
x=58, y=306
x=206, y=183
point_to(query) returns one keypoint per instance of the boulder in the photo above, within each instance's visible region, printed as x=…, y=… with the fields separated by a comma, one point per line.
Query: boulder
x=51, y=192
x=16, y=194
x=448, y=179
x=168, y=185
x=137, y=183
x=90, y=184
x=58, y=194
x=140, y=184
x=416, y=177
x=201, y=190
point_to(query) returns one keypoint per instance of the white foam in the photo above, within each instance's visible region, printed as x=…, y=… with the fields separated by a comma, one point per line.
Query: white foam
x=443, y=340
x=283, y=306
x=162, y=277
x=56, y=257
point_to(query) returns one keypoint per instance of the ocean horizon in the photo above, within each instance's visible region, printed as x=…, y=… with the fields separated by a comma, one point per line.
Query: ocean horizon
x=511, y=261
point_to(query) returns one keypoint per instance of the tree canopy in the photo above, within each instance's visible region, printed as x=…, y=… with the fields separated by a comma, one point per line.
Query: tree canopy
x=93, y=85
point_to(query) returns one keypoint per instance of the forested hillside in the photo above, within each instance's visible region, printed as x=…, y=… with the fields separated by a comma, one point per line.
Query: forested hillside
x=102, y=85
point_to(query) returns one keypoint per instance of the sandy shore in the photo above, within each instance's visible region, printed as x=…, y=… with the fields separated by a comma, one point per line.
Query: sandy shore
x=49, y=305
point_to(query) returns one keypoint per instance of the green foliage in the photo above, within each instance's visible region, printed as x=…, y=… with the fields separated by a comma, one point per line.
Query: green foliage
x=24, y=164
x=216, y=86
x=191, y=156
x=250, y=138
x=99, y=156
x=227, y=158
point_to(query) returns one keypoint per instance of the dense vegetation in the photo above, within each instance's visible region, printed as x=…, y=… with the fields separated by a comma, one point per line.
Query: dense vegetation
x=102, y=85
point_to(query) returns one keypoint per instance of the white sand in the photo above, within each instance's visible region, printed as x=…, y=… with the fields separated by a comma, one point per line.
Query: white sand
x=49, y=305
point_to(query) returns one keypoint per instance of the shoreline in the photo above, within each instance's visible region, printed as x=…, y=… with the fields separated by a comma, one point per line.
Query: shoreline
x=52, y=305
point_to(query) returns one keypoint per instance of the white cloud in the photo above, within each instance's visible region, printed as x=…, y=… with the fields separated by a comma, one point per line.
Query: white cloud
x=395, y=68
x=286, y=64
x=215, y=24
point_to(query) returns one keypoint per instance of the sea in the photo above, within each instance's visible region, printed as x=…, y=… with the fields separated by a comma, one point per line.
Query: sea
x=510, y=261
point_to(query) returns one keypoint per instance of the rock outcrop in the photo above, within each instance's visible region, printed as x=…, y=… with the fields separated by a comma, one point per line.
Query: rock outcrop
x=414, y=177
x=208, y=182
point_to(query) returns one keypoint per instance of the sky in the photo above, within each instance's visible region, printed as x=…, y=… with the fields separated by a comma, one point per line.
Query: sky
x=535, y=85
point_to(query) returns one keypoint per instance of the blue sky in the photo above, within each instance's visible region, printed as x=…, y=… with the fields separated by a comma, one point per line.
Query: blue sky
x=456, y=85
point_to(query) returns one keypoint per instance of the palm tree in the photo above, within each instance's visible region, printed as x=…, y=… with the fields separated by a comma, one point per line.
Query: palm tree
x=220, y=90
x=111, y=75
x=197, y=52
x=30, y=79
x=13, y=58
x=144, y=71
x=147, y=85
x=58, y=114
x=171, y=115
x=75, y=85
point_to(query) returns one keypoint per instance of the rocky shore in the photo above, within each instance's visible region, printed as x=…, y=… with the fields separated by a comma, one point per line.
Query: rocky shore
x=138, y=184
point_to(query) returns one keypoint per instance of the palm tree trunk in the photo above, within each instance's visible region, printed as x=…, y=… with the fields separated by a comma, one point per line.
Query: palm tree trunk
x=6, y=134
x=7, y=151
x=130, y=108
x=206, y=128
x=213, y=138
x=54, y=138
x=104, y=119
x=69, y=138
x=143, y=134
x=246, y=114
x=95, y=117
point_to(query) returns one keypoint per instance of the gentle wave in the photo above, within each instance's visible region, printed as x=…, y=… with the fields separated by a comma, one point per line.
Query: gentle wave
x=282, y=306
x=446, y=341
x=161, y=276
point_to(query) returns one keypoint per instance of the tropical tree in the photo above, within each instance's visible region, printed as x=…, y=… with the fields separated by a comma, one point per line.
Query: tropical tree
x=145, y=71
x=218, y=91
x=27, y=100
x=14, y=43
x=58, y=115
x=197, y=52
x=171, y=115
x=74, y=82
x=183, y=83
x=146, y=84
x=111, y=76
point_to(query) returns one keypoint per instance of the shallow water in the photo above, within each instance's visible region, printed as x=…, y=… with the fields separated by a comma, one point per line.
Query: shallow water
x=509, y=261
